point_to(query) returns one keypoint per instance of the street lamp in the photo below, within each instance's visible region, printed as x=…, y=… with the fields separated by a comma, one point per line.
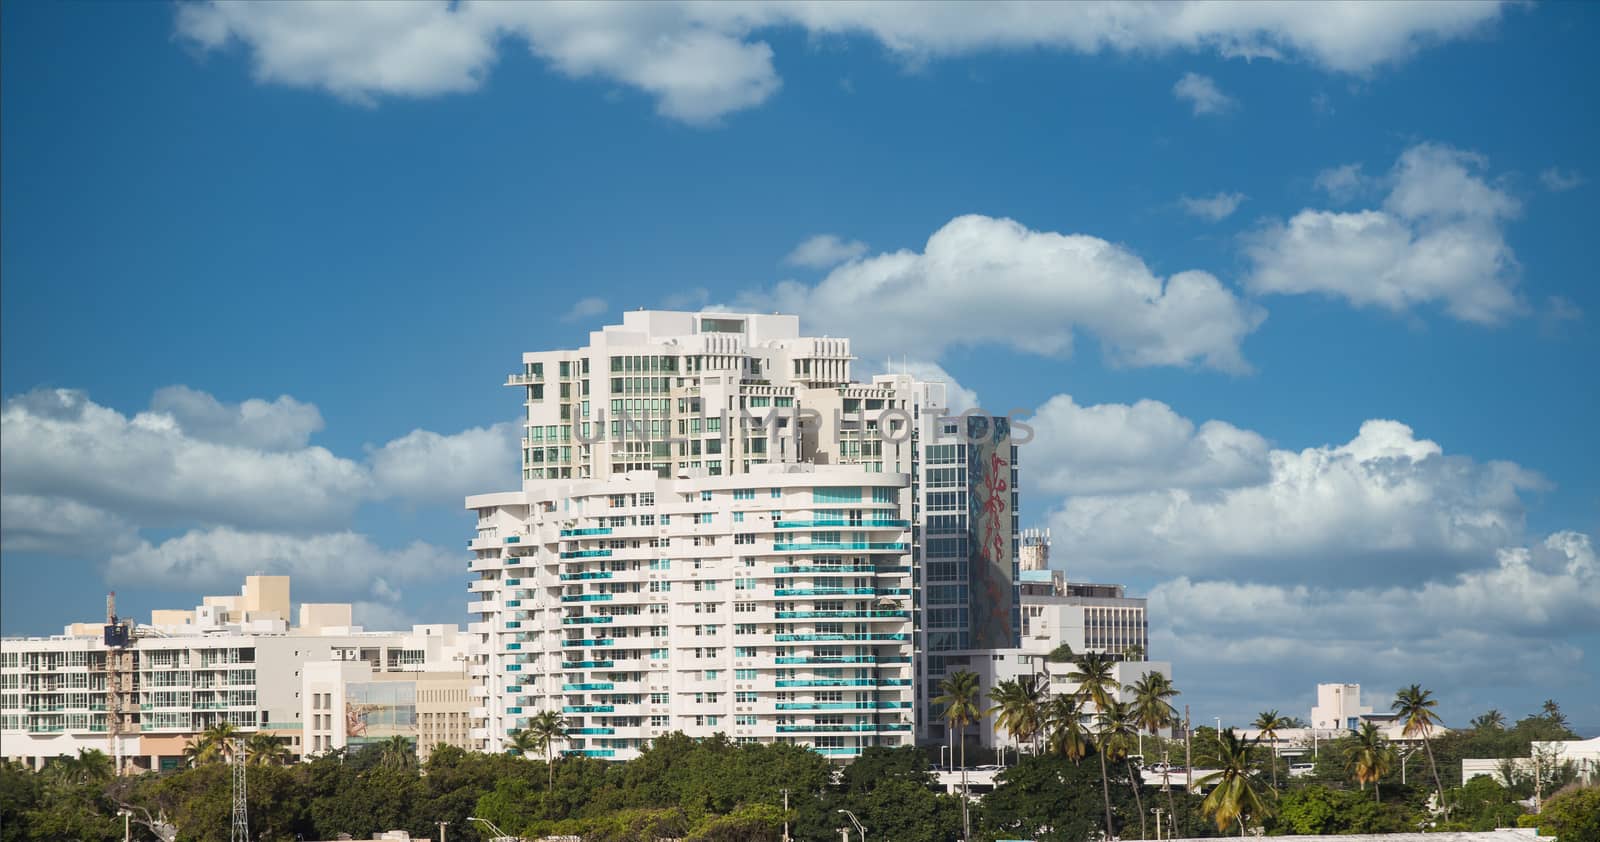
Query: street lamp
x=853, y=820
x=499, y=834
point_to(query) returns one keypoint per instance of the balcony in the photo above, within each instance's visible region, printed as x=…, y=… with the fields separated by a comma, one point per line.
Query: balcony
x=588, y=708
x=590, y=641
x=588, y=665
x=844, y=682
x=825, y=592
x=589, y=752
x=836, y=569
x=845, y=751
x=844, y=615
x=835, y=636
x=843, y=705
x=585, y=621
x=815, y=546
x=579, y=533
x=588, y=686
x=589, y=731
x=579, y=577
x=587, y=597
x=843, y=659
x=886, y=726
x=586, y=554
x=845, y=524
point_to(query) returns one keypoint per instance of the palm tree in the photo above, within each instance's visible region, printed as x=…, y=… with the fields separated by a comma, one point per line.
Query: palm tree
x=265, y=750
x=1019, y=707
x=1096, y=684
x=1552, y=712
x=1269, y=722
x=397, y=752
x=212, y=744
x=1369, y=758
x=1064, y=720
x=1234, y=794
x=90, y=766
x=1133, y=653
x=1491, y=720
x=1415, y=706
x=549, y=727
x=1118, y=731
x=1153, y=712
x=960, y=702
x=524, y=743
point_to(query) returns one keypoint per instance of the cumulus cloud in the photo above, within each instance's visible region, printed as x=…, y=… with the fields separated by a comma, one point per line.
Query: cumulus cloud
x=1508, y=623
x=958, y=398
x=1214, y=208
x=1202, y=93
x=1342, y=183
x=424, y=466
x=1113, y=448
x=329, y=563
x=700, y=61
x=1385, y=503
x=981, y=280
x=57, y=526
x=149, y=469
x=1557, y=180
x=825, y=250
x=585, y=308
x=282, y=424
x=1439, y=238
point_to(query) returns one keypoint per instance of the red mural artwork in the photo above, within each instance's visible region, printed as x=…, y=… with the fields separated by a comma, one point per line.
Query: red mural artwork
x=995, y=505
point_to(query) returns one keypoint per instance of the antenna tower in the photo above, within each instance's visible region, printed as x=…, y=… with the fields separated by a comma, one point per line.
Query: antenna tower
x=241, y=812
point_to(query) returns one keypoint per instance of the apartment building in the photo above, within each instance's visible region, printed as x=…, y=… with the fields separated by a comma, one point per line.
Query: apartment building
x=141, y=692
x=719, y=530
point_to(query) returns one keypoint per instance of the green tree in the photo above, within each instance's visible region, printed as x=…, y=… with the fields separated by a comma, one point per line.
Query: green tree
x=1571, y=815
x=1368, y=758
x=1119, y=732
x=549, y=727
x=1019, y=707
x=1552, y=711
x=1483, y=804
x=265, y=750
x=1233, y=795
x=1096, y=684
x=1064, y=726
x=1153, y=709
x=398, y=752
x=1270, y=723
x=960, y=702
x=1491, y=720
x=1047, y=798
x=1415, y=708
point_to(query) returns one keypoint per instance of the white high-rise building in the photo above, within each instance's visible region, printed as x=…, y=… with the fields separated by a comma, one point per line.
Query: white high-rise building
x=720, y=531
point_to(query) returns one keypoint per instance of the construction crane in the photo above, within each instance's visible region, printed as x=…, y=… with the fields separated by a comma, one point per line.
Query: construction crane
x=119, y=680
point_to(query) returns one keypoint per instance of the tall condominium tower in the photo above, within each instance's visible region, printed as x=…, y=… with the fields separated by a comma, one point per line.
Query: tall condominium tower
x=718, y=530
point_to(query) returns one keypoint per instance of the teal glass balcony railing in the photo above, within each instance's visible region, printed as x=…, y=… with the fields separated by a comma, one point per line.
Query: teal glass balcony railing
x=845, y=523
x=586, y=554
x=579, y=533
x=584, y=621
x=844, y=615
x=837, y=751
x=843, y=659
x=588, y=665
x=590, y=641
x=843, y=705
x=589, y=752
x=888, y=637
x=844, y=682
x=577, y=577
x=886, y=726
x=587, y=708
x=810, y=546
x=586, y=597
x=825, y=592
x=596, y=730
x=587, y=686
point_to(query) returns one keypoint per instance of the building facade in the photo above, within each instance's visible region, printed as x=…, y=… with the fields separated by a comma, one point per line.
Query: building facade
x=719, y=530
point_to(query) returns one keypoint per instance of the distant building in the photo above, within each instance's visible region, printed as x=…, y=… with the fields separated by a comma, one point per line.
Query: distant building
x=1584, y=755
x=142, y=692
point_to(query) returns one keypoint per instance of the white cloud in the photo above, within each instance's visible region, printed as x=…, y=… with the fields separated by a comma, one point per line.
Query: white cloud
x=1202, y=93
x=57, y=526
x=336, y=563
x=1508, y=623
x=981, y=280
x=825, y=250
x=701, y=61
x=1215, y=208
x=1438, y=239
x=282, y=424
x=958, y=398
x=1113, y=448
x=148, y=469
x=425, y=466
x=1383, y=504
x=585, y=308
x=1342, y=183
x=1557, y=180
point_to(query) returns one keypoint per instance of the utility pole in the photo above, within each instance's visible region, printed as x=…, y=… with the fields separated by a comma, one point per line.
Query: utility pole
x=785, y=816
x=1188, y=753
x=442, y=826
x=1158, y=811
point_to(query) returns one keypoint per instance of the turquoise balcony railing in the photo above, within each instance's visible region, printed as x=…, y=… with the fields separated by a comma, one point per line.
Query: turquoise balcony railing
x=845, y=682
x=598, y=730
x=843, y=659
x=809, y=546
x=842, y=705
x=843, y=615
x=886, y=726
x=587, y=708
x=590, y=641
x=845, y=751
x=848, y=524
x=587, y=597
x=588, y=665
x=589, y=752
x=584, y=621
x=796, y=638
x=579, y=533
x=586, y=554
x=575, y=577
x=592, y=685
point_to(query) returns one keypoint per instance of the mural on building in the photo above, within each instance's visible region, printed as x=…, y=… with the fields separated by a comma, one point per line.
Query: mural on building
x=377, y=710
x=989, y=518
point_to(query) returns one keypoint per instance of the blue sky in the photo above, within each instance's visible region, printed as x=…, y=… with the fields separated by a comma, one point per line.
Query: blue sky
x=337, y=247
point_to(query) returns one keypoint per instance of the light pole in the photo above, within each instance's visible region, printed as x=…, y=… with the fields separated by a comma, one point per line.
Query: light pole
x=1159, y=812
x=442, y=826
x=127, y=833
x=489, y=824
x=853, y=820
x=786, y=815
